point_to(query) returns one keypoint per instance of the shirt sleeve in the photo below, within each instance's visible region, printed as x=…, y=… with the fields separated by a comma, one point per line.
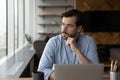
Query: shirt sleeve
x=47, y=59
x=92, y=54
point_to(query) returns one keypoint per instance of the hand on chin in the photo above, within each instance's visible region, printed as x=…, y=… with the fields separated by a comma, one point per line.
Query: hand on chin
x=65, y=36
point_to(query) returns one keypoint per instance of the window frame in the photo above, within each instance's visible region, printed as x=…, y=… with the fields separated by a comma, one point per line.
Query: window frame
x=11, y=48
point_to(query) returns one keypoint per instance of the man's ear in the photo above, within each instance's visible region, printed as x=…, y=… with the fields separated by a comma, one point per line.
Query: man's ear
x=80, y=29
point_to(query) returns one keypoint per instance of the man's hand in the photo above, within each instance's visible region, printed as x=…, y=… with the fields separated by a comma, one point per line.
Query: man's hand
x=71, y=42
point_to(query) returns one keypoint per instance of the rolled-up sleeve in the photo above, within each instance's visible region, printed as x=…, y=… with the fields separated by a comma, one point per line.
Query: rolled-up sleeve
x=92, y=54
x=47, y=60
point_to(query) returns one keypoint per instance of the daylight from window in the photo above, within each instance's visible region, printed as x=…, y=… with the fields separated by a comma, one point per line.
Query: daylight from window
x=2, y=28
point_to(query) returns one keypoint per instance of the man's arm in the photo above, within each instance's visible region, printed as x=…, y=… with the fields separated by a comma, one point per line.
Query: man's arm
x=52, y=76
x=82, y=59
x=71, y=42
x=47, y=60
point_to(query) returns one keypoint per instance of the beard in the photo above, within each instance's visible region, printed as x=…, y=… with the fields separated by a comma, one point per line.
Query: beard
x=65, y=35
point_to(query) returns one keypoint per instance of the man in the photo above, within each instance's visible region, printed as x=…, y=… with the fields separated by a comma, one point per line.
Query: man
x=69, y=47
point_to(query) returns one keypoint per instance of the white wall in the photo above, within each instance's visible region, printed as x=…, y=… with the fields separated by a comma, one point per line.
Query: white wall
x=30, y=17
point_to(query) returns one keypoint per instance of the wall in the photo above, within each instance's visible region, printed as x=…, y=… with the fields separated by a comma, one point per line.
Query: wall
x=30, y=18
x=109, y=38
x=105, y=38
x=43, y=24
x=91, y=5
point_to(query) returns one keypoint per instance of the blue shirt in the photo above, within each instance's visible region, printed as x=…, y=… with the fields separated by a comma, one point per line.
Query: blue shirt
x=57, y=52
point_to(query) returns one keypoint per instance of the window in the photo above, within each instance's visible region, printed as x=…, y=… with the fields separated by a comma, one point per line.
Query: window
x=2, y=28
x=12, y=26
x=16, y=24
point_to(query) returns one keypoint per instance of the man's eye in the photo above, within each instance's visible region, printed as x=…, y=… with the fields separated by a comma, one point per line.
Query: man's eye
x=69, y=26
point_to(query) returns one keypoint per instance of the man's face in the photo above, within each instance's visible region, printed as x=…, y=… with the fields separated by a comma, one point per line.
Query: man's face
x=68, y=27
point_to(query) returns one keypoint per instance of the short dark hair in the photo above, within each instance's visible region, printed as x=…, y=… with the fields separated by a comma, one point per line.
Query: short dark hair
x=74, y=12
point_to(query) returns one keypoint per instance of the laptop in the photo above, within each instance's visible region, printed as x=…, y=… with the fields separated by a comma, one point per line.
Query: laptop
x=79, y=71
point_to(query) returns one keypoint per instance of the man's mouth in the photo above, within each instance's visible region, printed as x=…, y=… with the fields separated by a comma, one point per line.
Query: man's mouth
x=65, y=33
x=70, y=35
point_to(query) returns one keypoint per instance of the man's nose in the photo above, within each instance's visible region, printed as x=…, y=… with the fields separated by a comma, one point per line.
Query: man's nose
x=64, y=28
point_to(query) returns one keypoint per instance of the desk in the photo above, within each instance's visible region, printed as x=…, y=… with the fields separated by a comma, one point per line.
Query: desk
x=16, y=79
x=106, y=78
